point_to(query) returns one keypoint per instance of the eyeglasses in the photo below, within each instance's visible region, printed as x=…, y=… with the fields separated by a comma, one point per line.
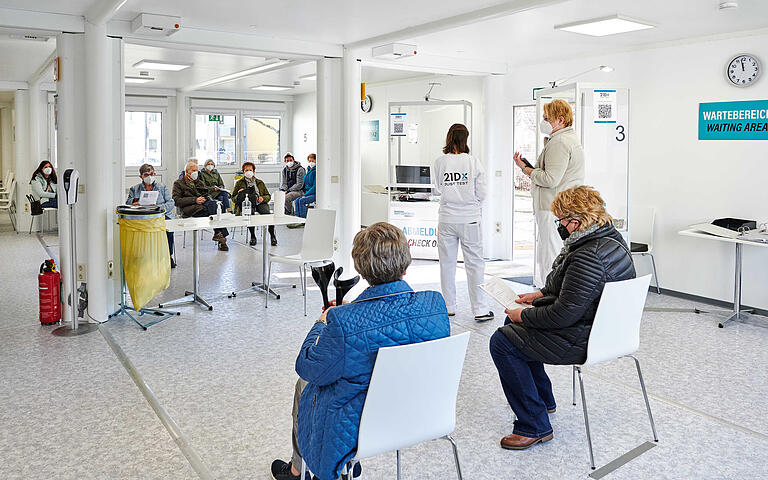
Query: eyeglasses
x=559, y=220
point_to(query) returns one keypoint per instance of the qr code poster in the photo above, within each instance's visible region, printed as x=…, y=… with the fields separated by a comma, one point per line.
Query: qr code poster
x=605, y=106
x=397, y=125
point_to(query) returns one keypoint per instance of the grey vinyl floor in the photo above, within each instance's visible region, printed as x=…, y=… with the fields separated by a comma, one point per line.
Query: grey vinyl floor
x=69, y=410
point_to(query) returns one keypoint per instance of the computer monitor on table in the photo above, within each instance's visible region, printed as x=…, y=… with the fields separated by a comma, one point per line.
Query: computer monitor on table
x=413, y=175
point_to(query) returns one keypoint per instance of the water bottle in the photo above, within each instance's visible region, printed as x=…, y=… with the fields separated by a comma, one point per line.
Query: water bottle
x=218, y=210
x=246, y=208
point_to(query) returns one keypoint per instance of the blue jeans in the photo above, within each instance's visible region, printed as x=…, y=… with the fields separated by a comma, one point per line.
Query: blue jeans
x=526, y=386
x=50, y=203
x=300, y=205
x=223, y=197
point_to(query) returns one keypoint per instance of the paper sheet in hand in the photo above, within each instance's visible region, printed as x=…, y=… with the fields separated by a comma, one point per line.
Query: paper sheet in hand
x=501, y=292
x=148, y=197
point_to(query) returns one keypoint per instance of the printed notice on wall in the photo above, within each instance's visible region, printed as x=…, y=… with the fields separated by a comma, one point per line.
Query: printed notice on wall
x=369, y=130
x=605, y=106
x=747, y=120
x=397, y=125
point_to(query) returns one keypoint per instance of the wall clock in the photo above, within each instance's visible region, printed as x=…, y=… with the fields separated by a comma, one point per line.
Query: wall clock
x=367, y=104
x=743, y=70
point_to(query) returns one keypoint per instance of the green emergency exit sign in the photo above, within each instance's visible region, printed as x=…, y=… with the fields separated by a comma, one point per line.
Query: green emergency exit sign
x=215, y=118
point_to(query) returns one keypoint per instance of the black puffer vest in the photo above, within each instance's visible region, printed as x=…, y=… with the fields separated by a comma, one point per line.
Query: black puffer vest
x=558, y=333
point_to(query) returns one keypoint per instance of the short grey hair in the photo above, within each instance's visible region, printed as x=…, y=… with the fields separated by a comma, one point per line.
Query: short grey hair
x=381, y=253
x=210, y=160
x=146, y=168
x=191, y=163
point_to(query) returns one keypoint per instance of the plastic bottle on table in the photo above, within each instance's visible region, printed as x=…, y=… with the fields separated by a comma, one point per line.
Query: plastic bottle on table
x=218, y=210
x=246, y=208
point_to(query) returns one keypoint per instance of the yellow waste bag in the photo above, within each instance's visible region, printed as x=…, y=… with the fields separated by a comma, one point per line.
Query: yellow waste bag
x=146, y=260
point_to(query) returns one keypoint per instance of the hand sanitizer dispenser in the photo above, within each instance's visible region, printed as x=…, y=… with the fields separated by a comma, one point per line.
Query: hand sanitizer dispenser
x=70, y=182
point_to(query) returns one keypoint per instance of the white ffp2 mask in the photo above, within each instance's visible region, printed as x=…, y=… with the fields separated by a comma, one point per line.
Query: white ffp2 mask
x=545, y=127
x=193, y=175
x=248, y=174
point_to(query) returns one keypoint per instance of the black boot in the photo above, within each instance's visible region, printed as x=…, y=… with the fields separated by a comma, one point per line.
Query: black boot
x=322, y=276
x=343, y=286
x=252, y=231
x=272, y=235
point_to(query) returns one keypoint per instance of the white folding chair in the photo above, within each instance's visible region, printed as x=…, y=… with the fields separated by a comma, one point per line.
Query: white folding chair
x=641, y=243
x=9, y=204
x=9, y=194
x=6, y=183
x=316, y=246
x=430, y=373
x=615, y=334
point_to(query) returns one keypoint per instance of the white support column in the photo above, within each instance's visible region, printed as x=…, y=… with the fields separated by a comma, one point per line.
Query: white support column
x=99, y=122
x=497, y=142
x=21, y=170
x=350, y=175
x=71, y=130
x=329, y=132
x=182, y=135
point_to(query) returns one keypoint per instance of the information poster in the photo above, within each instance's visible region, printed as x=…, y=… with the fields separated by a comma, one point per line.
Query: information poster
x=370, y=130
x=605, y=103
x=746, y=120
x=418, y=221
x=397, y=125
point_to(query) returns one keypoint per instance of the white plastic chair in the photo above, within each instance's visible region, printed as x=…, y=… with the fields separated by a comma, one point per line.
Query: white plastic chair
x=316, y=246
x=9, y=204
x=6, y=183
x=642, y=237
x=430, y=373
x=9, y=194
x=615, y=334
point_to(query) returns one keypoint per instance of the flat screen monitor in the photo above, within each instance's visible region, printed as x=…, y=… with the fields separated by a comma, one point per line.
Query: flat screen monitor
x=412, y=174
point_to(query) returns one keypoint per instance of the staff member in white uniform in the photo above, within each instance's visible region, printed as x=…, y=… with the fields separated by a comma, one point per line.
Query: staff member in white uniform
x=459, y=179
x=559, y=167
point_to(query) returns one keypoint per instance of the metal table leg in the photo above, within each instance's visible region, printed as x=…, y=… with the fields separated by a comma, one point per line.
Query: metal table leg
x=738, y=313
x=193, y=296
x=261, y=287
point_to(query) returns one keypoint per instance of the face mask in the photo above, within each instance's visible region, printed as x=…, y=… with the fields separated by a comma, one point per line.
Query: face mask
x=149, y=179
x=193, y=175
x=209, y=167
x=248, y=174
x=312, y=164
x=545, y=127
x=289, y=164
x=47, y=170
x=563, y=232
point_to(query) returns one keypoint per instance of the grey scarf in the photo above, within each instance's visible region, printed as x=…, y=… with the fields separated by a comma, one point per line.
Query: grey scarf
x=573, y=238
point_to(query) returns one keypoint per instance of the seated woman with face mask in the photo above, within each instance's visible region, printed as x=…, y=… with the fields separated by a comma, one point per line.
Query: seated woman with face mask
x=556, y=329
x=254, y=189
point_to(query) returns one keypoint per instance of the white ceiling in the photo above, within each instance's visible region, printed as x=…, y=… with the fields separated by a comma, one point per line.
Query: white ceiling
x=20, y=59
x=530, y=37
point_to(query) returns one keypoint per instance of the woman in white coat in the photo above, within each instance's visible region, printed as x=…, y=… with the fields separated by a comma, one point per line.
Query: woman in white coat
x=459, y=179
x=559, y=167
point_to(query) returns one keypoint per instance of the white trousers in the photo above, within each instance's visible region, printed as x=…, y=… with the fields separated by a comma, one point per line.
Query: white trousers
x=449, y=236
x=548, y=246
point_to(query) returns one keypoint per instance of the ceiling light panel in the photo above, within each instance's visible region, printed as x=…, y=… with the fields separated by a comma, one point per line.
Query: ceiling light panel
x=158, y=65
x=138, y=79
x=600, y=27
x=272, y=88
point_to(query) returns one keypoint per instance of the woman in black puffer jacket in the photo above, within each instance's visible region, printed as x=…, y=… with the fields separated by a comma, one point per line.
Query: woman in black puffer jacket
x=556, y=329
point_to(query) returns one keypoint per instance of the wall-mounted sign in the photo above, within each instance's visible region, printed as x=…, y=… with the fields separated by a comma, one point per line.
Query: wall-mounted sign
x=369, y=130
x=397, y=124
x=215, y=118
x=747, y=120
x=605, y=106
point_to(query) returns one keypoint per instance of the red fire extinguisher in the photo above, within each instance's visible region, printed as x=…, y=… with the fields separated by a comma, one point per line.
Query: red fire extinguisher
x=49, y=288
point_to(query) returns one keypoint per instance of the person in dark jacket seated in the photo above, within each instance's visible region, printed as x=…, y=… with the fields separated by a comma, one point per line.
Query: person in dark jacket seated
x=194, y=200
x=556, y=329
x=337, y=357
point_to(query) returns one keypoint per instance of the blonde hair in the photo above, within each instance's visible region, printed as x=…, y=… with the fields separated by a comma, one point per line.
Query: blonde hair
x=559, y=108
x=582, y=203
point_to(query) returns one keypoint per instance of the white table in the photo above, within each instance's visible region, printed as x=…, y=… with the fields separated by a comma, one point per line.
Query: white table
x=195, y=224
x=738, y=313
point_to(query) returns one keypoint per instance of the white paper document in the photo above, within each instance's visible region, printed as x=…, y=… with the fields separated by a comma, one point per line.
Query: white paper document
x=148, y=197
x=502, y=293
x=715, y=230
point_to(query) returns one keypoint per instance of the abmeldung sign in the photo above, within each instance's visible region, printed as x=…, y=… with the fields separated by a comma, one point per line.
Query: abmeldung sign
x=734, y=120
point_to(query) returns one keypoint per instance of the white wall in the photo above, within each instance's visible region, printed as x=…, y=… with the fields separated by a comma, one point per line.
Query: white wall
x=684, y=179
x=304, y=125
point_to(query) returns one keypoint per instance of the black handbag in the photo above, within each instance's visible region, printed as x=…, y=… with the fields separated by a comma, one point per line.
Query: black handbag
x=35, y=207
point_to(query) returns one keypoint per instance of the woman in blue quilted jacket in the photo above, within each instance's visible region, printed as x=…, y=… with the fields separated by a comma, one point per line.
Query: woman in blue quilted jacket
x=337, y=357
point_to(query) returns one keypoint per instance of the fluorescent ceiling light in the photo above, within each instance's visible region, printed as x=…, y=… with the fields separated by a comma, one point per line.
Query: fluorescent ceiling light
x=272, y=88
x=606, y=68
x=138, y=79
x=158, y=65
x=264, y=67
x=600, y=27
x=310, y=78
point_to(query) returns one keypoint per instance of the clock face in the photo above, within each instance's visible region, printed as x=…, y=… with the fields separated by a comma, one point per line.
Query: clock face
x=366, y=104
x=743, y=70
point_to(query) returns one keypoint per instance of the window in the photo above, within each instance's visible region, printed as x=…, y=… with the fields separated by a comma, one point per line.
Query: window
x=215, y=138
x=261, y=139
x=525, y=141
x=143, y=138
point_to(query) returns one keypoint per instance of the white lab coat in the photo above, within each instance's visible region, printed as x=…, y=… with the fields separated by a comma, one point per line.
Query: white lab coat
x=459, y=180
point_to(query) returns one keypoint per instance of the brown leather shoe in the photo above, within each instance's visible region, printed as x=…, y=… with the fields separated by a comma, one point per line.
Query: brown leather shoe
x=519, y=442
